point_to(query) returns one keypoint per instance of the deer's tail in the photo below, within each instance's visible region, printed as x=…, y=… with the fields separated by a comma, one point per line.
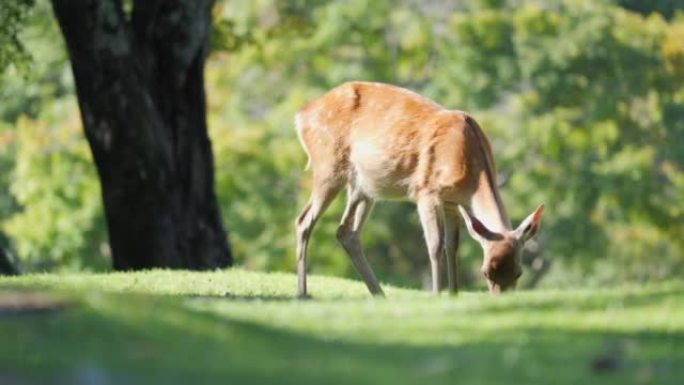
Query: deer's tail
x=299, y=128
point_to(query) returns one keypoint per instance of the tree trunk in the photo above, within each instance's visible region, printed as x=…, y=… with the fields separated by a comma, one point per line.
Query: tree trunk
x=6, y=266
x=140, y=87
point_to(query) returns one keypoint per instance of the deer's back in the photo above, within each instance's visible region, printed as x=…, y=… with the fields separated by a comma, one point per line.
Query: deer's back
x=390, y=141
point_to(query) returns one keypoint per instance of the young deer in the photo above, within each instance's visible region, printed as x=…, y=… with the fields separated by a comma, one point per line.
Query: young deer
x=387, y=142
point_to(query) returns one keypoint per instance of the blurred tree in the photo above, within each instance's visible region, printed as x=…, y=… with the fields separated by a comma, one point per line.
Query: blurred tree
x=140, y=86
x=6, y=266
x=578, y=94
x=581, y=99
x=50, y=198
x=251, y=104
x=12, y=17
x=60, y=224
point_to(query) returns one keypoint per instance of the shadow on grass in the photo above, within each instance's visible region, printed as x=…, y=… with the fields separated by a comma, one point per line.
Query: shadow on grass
x=112, y=339
x=599, y=301
x=245, y=298
x=288, y=298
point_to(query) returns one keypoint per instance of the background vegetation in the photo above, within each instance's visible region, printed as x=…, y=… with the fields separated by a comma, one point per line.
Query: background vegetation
x=582, y=100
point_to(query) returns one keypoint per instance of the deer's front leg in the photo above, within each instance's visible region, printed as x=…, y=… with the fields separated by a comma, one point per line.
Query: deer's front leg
x=451, y=240
x=431, y=215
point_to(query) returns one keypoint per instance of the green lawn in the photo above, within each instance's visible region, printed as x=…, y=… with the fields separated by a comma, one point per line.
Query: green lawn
x=235, y=326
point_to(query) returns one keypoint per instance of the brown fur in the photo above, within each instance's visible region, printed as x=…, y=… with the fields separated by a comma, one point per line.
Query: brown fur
x=417, y=146
x=386, y=142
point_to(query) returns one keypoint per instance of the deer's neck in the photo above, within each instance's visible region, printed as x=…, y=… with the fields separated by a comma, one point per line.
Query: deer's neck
x=486, y=203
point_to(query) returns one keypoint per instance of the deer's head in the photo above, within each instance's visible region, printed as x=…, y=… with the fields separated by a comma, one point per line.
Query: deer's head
x=501, y=266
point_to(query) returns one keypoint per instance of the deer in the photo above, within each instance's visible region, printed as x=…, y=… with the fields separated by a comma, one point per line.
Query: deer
x=384, y=142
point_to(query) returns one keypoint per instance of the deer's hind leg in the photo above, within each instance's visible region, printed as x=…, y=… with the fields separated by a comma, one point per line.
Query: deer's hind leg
x=355, y=214
x=323, y=192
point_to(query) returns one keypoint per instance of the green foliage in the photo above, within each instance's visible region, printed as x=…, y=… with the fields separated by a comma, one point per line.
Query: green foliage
x=253, y=94
x=13, y=14
x=48, y=76
x=245, y=327
x=50, y=205
x=593, y=109
x=582, y=101
x=579, y=98
x=54, y=182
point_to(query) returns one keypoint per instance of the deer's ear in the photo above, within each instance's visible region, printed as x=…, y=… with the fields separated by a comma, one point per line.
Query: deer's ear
x=530, y=226
x=476, y=229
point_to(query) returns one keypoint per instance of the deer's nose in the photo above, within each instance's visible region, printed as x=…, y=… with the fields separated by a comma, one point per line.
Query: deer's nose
x=495, y=289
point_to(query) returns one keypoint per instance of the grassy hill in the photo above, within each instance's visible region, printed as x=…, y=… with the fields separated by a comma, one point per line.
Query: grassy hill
x=236, y=326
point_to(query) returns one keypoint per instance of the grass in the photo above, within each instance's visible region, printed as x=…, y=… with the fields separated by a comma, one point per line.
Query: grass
x=236, y=326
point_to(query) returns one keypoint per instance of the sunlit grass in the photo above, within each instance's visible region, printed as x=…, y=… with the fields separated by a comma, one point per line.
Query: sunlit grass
x=172, y=327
